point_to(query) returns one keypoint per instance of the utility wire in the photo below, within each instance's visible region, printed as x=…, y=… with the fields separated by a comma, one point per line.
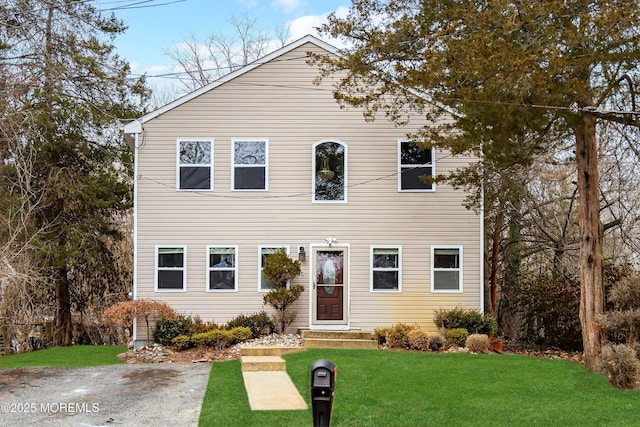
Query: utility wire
x=286, y=196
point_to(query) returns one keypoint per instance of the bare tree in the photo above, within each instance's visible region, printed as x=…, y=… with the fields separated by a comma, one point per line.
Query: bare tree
x=200, y=62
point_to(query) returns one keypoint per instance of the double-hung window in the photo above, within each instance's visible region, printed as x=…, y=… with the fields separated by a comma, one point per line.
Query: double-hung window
x=250, y=164
x=416, y=166
x=222, y=269
x=265, y=284
x=446, y=269
x=386, y=268
x=171, y=268
x=195, y=164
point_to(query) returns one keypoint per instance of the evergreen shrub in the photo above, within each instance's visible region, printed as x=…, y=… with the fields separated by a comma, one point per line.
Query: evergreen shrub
x=457, y=336
x=471, y=320
x=260, y=323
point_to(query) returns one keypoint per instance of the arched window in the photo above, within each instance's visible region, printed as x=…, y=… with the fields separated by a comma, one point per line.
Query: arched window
x=330, y=172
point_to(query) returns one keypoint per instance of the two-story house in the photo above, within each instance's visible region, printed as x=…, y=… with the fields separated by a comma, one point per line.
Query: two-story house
x=262, y=159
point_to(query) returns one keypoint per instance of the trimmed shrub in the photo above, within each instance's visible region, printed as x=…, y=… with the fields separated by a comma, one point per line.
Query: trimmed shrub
x=216, y=338
x=436, y=342
x=417, y=339
x=471, y=320
x=477, y=343
x=397, y=336
x=620, y=364
x=457, y=336
x=182, y=342
x=260, y=323
x=240, y=334
x=167, y=329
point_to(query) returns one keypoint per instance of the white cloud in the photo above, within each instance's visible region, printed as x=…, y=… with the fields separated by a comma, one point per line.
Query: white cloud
x=288, y=6
x=304, y=25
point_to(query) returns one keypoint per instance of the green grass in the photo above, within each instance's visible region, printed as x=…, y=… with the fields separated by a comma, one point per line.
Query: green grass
x=384, y=388
x=75, y=356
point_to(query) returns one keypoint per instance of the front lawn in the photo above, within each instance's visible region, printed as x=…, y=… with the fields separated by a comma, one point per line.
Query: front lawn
x=386, y=388
x=74, y=356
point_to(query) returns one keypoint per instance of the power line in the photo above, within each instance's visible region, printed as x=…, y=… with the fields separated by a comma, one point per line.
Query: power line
x=288, y=196
x=142, y=4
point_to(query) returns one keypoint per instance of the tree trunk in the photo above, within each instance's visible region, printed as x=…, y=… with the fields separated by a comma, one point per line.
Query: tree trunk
x=63, y=325
x=591, y=251
x=495, y=261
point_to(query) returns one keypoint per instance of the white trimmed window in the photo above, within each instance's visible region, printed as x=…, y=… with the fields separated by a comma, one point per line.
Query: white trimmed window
x=195, y=164
x=446, y=268
x=414, y=164
x=265, y=284
x=222, y=268
x=386, y=269
x=329, y=172
x=250, y=164
x=171, y=271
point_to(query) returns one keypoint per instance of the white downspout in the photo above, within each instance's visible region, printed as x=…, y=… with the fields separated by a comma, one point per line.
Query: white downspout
x=482, y=261
x=134, y=290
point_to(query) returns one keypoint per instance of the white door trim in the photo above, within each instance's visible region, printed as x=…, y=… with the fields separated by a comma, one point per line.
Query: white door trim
x=313, y=324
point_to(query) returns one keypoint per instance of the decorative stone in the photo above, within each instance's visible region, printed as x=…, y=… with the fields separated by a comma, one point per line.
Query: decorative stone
x=275, y=340
x=155, y=353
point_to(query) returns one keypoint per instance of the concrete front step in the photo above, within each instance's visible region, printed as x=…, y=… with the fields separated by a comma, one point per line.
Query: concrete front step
x=339, y=335
x=268, y=351
x=262, y=363
x=339, y=343
x=337, y=339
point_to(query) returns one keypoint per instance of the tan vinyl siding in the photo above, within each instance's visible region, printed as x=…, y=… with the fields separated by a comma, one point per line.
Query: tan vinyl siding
x=278, y=102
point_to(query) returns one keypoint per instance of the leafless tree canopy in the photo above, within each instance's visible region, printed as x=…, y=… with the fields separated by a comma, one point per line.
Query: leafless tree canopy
x=202, y=61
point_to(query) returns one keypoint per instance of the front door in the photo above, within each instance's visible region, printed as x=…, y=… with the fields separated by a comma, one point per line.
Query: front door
x=330, y=286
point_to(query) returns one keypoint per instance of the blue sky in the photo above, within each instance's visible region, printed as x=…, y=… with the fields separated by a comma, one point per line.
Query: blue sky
x=155, y=26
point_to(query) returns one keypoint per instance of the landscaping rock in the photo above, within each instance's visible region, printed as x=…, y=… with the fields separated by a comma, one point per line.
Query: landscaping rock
x=275, y=340
x=155, y=353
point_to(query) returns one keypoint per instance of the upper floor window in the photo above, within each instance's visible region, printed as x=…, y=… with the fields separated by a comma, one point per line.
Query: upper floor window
x=222, y=268
x=195, y=164
x=330, y=172
x=170, y=268
x=415, y=165
x=250, y=164
x=446, y=269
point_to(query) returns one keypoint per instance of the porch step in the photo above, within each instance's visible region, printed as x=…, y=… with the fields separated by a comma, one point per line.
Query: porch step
x=262, y=363
x=268, y=351
x=338, y=339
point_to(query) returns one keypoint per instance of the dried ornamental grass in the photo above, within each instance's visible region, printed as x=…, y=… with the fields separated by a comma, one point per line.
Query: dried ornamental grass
x=477, y=343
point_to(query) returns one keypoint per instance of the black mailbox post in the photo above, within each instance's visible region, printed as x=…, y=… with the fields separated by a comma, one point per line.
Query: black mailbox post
x=323, y=383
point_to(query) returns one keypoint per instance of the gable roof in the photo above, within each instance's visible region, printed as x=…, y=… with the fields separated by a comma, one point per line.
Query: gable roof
x=135, y=126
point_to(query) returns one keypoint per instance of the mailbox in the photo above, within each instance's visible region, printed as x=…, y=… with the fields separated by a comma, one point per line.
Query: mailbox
x=323, y=382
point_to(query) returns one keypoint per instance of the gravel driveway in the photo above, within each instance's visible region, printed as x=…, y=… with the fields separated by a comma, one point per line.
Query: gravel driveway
x=118, y=395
